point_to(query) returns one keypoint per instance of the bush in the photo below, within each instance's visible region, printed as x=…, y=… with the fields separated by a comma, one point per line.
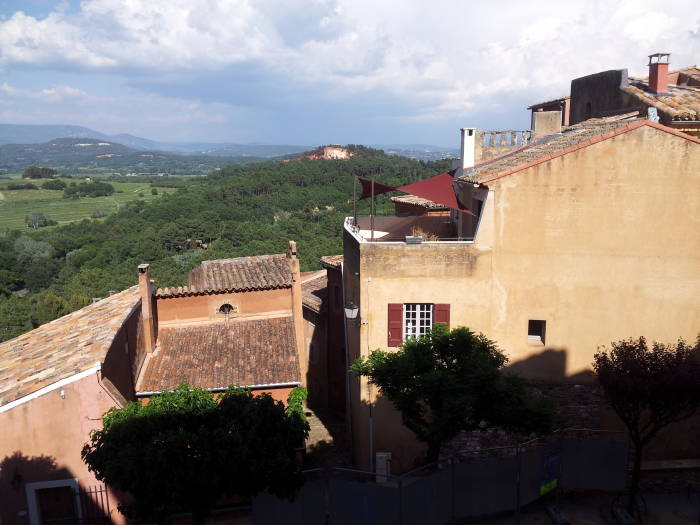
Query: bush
x=88, y=189
x=21, y=186
x=38, y=220
x=54, y=184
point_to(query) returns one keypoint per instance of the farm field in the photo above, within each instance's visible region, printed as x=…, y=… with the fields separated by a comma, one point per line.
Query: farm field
x=16, y=204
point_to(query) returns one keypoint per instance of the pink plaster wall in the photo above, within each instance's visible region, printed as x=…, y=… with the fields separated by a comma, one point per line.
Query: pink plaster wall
x=41, y=441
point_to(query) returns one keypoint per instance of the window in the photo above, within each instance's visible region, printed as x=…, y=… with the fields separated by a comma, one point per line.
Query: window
x=226, y=309
x=414, y=319
x=57, y=501
x=536, y=331
x=417, y=319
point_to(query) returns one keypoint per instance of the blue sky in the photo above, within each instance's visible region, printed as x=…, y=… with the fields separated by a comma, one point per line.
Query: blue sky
x=313, y=72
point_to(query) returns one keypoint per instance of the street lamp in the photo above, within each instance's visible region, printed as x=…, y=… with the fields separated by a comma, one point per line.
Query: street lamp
x=351, y=310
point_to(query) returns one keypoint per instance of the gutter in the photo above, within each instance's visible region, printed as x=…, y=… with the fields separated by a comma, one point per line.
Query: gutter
x=219, y=389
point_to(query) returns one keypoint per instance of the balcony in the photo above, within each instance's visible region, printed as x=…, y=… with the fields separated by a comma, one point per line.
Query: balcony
x=408, y=230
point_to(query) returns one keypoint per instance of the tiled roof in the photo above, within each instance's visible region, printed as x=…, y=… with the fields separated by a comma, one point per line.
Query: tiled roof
x=219, y=354
x=548, y=102
x=64, y=347
x=418, y=201
x=314, y=290
x=681, y=103
x=242, y=274
x=331, y=261
x=572, y=138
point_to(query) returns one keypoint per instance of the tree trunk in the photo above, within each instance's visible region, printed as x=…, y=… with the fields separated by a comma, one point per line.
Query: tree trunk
x=634, y=480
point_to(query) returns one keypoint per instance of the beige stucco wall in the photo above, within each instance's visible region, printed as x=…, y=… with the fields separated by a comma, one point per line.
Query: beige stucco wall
x=41, y=441
x=602, y=244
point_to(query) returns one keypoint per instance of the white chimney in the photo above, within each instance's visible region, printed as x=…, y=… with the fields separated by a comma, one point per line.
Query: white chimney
x=467, y=147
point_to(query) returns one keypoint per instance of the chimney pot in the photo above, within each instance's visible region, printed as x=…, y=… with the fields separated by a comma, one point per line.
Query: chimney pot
x=467, y=143
x=658, y=73
x=293, y=248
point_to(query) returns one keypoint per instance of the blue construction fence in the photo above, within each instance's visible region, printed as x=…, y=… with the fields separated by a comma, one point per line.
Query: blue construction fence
x=468, y=485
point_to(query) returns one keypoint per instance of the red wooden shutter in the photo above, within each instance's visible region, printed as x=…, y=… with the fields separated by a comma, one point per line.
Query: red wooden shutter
x=441, y=314
x=395, y=336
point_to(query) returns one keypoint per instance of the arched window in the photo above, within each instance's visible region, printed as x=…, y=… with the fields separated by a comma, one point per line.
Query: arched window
x=226, y=309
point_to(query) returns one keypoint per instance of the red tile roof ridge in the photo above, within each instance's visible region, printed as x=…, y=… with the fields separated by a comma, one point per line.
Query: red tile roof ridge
x=492, y=176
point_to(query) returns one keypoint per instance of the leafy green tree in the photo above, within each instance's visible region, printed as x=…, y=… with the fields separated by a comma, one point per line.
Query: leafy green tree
x=448, y=381
x=38, y=220
x=49, y=307
x=184, y=451
x=36, y=172
x=649, y=388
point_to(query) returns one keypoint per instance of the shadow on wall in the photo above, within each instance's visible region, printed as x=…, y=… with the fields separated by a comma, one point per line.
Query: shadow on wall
x=18, y=470
x=549, y=365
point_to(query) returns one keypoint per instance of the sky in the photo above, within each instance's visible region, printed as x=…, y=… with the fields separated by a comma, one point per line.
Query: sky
x=318, y=72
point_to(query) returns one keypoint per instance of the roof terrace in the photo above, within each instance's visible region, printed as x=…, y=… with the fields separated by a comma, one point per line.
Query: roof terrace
x=409, y=230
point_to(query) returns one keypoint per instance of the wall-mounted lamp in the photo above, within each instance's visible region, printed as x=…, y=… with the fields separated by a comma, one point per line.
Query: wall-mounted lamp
x=351, y=310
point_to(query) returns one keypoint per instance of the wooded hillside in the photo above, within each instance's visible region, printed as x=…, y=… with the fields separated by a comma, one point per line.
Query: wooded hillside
x=236, y=211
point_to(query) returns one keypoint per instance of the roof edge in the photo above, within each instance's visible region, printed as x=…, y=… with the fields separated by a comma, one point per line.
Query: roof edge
x=599, y=138
x=53, y=386
x=188, y=291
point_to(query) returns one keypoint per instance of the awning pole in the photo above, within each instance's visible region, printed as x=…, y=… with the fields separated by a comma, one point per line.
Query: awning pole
x=371, y=214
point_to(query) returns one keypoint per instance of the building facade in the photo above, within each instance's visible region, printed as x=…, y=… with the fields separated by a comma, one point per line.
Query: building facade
x=584, y=238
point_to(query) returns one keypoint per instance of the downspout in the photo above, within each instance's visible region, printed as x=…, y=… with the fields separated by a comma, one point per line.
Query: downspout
x=348, y=406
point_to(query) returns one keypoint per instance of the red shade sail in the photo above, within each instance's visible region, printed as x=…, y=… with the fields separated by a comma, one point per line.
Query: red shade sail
x=439, y=189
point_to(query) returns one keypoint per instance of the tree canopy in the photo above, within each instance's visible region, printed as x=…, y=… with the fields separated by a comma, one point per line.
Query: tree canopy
x=236, y=211
x=649, y=388
x=37, y=172
x=449, y=381
x=185, y=450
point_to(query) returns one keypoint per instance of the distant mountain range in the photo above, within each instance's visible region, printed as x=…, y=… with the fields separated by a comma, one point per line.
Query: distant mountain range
x=71, y=155
x=35, y=134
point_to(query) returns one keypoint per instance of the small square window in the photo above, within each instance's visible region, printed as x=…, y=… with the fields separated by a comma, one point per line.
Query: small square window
x=536, y=331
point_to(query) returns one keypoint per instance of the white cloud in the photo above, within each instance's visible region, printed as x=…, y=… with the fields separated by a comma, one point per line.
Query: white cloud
x=451, y=58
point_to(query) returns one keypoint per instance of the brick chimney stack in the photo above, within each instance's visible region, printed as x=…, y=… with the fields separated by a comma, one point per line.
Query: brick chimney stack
x=146, y=293
x=298, y=310
x=658, y=73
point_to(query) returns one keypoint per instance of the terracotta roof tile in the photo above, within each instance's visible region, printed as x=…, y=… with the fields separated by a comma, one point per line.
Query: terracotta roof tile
x=331, y=261
x=314, y=292
x=572, y=138
x=418, y=201
x=681, y=103
x=260, y=272
x=64, y=347
x=220, y=354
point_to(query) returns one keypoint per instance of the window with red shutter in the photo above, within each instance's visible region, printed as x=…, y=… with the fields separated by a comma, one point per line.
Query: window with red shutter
x=395, y=324
x=441, y=314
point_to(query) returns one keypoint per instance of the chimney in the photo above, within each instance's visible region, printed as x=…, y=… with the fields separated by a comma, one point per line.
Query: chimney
x=467, y=147
x=546, y=122
x=146, y=293
x=298, y=311
x=658, y=73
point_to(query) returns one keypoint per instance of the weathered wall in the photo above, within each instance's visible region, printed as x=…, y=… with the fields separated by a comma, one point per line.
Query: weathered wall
x=600, y=243
x=41, y=441
x=124, y=358
x=597, y=95
x=205, y=307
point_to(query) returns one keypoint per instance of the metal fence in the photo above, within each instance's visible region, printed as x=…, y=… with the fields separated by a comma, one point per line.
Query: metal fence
x=94, y=508
x=468, y=485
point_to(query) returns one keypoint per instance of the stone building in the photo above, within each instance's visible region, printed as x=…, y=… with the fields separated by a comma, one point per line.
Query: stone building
x=576, y=240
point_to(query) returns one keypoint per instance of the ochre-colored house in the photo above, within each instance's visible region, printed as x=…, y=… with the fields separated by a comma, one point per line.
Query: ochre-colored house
x=576, y=240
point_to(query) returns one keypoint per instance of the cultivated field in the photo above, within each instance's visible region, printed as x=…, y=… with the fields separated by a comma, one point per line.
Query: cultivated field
x=16, y=204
